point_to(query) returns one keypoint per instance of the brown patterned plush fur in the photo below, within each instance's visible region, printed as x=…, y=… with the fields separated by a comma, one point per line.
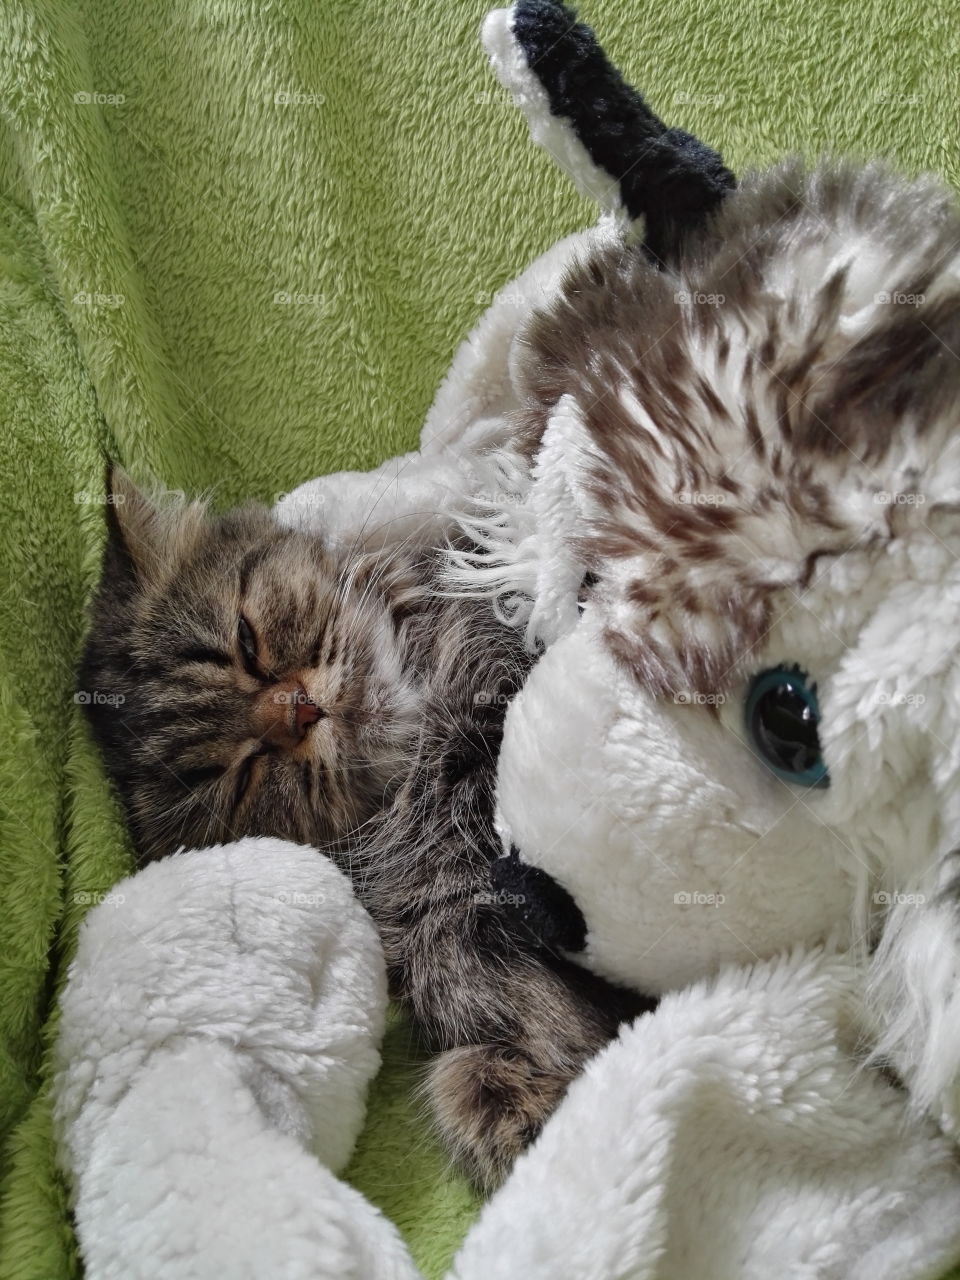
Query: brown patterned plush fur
x=739, y=408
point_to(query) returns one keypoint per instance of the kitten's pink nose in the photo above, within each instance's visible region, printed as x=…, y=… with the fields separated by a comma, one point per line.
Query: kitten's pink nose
x=306, y=712
x=283, y=712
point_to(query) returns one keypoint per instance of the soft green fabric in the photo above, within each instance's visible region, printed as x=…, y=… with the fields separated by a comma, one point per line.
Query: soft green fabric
x=147, y=238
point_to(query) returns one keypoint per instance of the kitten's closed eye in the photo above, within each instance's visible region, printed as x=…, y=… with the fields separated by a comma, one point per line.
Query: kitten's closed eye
x=203, y=773
x=246, y=637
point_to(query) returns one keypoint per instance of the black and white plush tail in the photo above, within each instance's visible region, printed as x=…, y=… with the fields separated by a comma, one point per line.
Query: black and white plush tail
x=599, y=129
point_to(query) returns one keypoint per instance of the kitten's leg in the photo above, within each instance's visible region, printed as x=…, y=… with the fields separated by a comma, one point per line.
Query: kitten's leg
x=512, y=1023
x=490, y=1100
x=513, y=1028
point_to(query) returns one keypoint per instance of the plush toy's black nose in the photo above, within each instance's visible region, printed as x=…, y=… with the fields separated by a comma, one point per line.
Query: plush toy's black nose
x=536, y=901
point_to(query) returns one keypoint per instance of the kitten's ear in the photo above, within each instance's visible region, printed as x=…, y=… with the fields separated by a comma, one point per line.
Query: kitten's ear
x=131, y=523
x=146, y=537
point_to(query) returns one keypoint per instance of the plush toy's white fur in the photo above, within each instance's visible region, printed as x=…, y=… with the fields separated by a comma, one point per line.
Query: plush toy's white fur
x=672, y=838
x=213, y=1035
x=649, y=809
x=731, y=1133
x=218, y=1031
x=219, y=1028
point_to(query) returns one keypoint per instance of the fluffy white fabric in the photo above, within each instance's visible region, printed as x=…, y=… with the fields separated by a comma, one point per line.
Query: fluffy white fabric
x=732, y=1133
x=667, y=831
x=218, y=1031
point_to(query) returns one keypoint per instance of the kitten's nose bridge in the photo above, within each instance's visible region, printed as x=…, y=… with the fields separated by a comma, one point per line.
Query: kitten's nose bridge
x=283, y=712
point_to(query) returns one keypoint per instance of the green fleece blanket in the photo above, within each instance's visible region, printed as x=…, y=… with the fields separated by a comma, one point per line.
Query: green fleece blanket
x=239, y=243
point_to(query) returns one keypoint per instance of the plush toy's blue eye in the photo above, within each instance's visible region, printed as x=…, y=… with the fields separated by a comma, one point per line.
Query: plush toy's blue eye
x=782, y=720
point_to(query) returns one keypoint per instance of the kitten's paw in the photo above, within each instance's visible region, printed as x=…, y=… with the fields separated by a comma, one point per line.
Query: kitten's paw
x=489, y=1103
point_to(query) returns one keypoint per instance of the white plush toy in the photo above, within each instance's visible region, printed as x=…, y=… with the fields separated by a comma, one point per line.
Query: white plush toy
x=712, y=464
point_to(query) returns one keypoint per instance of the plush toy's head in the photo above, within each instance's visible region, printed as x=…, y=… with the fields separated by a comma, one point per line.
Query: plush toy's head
x=743, y=733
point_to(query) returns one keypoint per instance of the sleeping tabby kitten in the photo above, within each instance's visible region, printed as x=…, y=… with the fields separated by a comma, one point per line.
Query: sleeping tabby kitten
x=273, y=686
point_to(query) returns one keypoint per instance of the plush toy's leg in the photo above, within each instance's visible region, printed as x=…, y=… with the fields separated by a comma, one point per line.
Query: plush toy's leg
x=218, y=1031
x=465, y=455
x=623, y=156
x=471, y=409
x=406, y=499
x=734, y=1132
x=187, y=1177
x=599, y=129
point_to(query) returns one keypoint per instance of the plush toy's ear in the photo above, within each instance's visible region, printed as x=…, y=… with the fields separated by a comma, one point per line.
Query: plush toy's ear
x=599, y=129
x=525, y=556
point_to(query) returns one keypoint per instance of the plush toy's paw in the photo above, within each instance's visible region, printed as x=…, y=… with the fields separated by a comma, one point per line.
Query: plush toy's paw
x=412, y=498
x=349, y=506
x=217, y=1034
x=489, y=1103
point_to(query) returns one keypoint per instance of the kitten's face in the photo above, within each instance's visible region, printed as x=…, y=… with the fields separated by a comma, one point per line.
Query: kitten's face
x=242, y=680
